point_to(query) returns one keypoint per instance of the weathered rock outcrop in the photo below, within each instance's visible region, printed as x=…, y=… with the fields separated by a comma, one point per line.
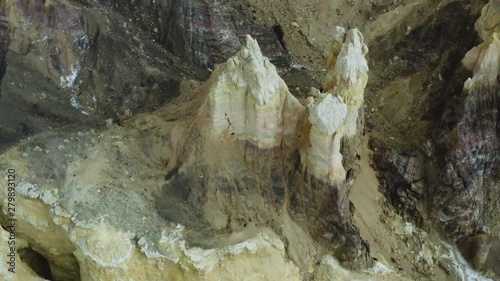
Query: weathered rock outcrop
x=203, y=32
x=404, y=177
x=322, y=156
x=248, y=101
x=91, y=64
x=471, y=173
x=87, y=69
x=348, y=74
x=247, y=98
x=335, y=115
x=471, y=179
x=221, y=165
x=235, y=178
x=452, y=178
x=209, y=31
x=88, y=66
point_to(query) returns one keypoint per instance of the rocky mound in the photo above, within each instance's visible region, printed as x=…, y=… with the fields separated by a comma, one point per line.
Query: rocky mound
x=235, y=177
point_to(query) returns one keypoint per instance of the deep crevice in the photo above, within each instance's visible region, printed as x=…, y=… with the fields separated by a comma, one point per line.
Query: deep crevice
x=278, y=30
x=37, y=262
x=4, y=42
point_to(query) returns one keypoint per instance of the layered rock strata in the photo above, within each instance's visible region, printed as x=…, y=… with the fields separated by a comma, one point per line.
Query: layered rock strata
x=408, y=100
x=94, y=65
x=209, y=31
x=82, y=67
x=470, y=133
x=203, y=32
x=216, y=184
x=451, y=179
x=471, y=178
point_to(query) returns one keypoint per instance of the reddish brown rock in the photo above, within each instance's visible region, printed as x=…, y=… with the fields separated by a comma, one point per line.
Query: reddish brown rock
x=203, y=32
x=209, y=31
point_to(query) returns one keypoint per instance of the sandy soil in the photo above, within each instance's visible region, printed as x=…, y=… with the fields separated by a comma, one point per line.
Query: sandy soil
x=366, y=199
x=372, y=217
x=398, y=244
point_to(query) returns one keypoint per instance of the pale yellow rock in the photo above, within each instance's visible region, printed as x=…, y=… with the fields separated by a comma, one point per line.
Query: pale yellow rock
x=334, y=114
x=348, y=74
x=22, y=272
x=101, y=228
x=249, y=99
x=97, y=248
x=330, y=270
x=334, y=49
x=484, y=59
x=322, y=155
x=170, y=259
x=489, y=21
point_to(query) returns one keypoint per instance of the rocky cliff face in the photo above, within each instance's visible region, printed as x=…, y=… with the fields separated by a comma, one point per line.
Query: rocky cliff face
x=88, y=69
x=244, y=179
x=98, y=66
x=249, y=109
x=203, y=32
x=471, y=178
x=452, y=178
x=208, y=31
x=469, y=132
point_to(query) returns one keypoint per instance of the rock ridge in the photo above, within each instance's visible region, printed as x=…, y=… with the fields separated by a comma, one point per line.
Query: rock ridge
x=197, y=161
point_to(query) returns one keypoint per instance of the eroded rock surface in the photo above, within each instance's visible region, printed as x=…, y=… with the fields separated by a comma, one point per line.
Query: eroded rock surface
x=208, y=31
x=451, y=178
x=250, y=100
x=68, y=64
x=235, y=178
x=203, y=32
x=472, y=175
x=470, y=135
x=212, y=186
x=110, y=59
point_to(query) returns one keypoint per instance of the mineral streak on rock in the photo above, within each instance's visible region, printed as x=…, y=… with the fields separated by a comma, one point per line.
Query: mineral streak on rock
x=248, y=98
